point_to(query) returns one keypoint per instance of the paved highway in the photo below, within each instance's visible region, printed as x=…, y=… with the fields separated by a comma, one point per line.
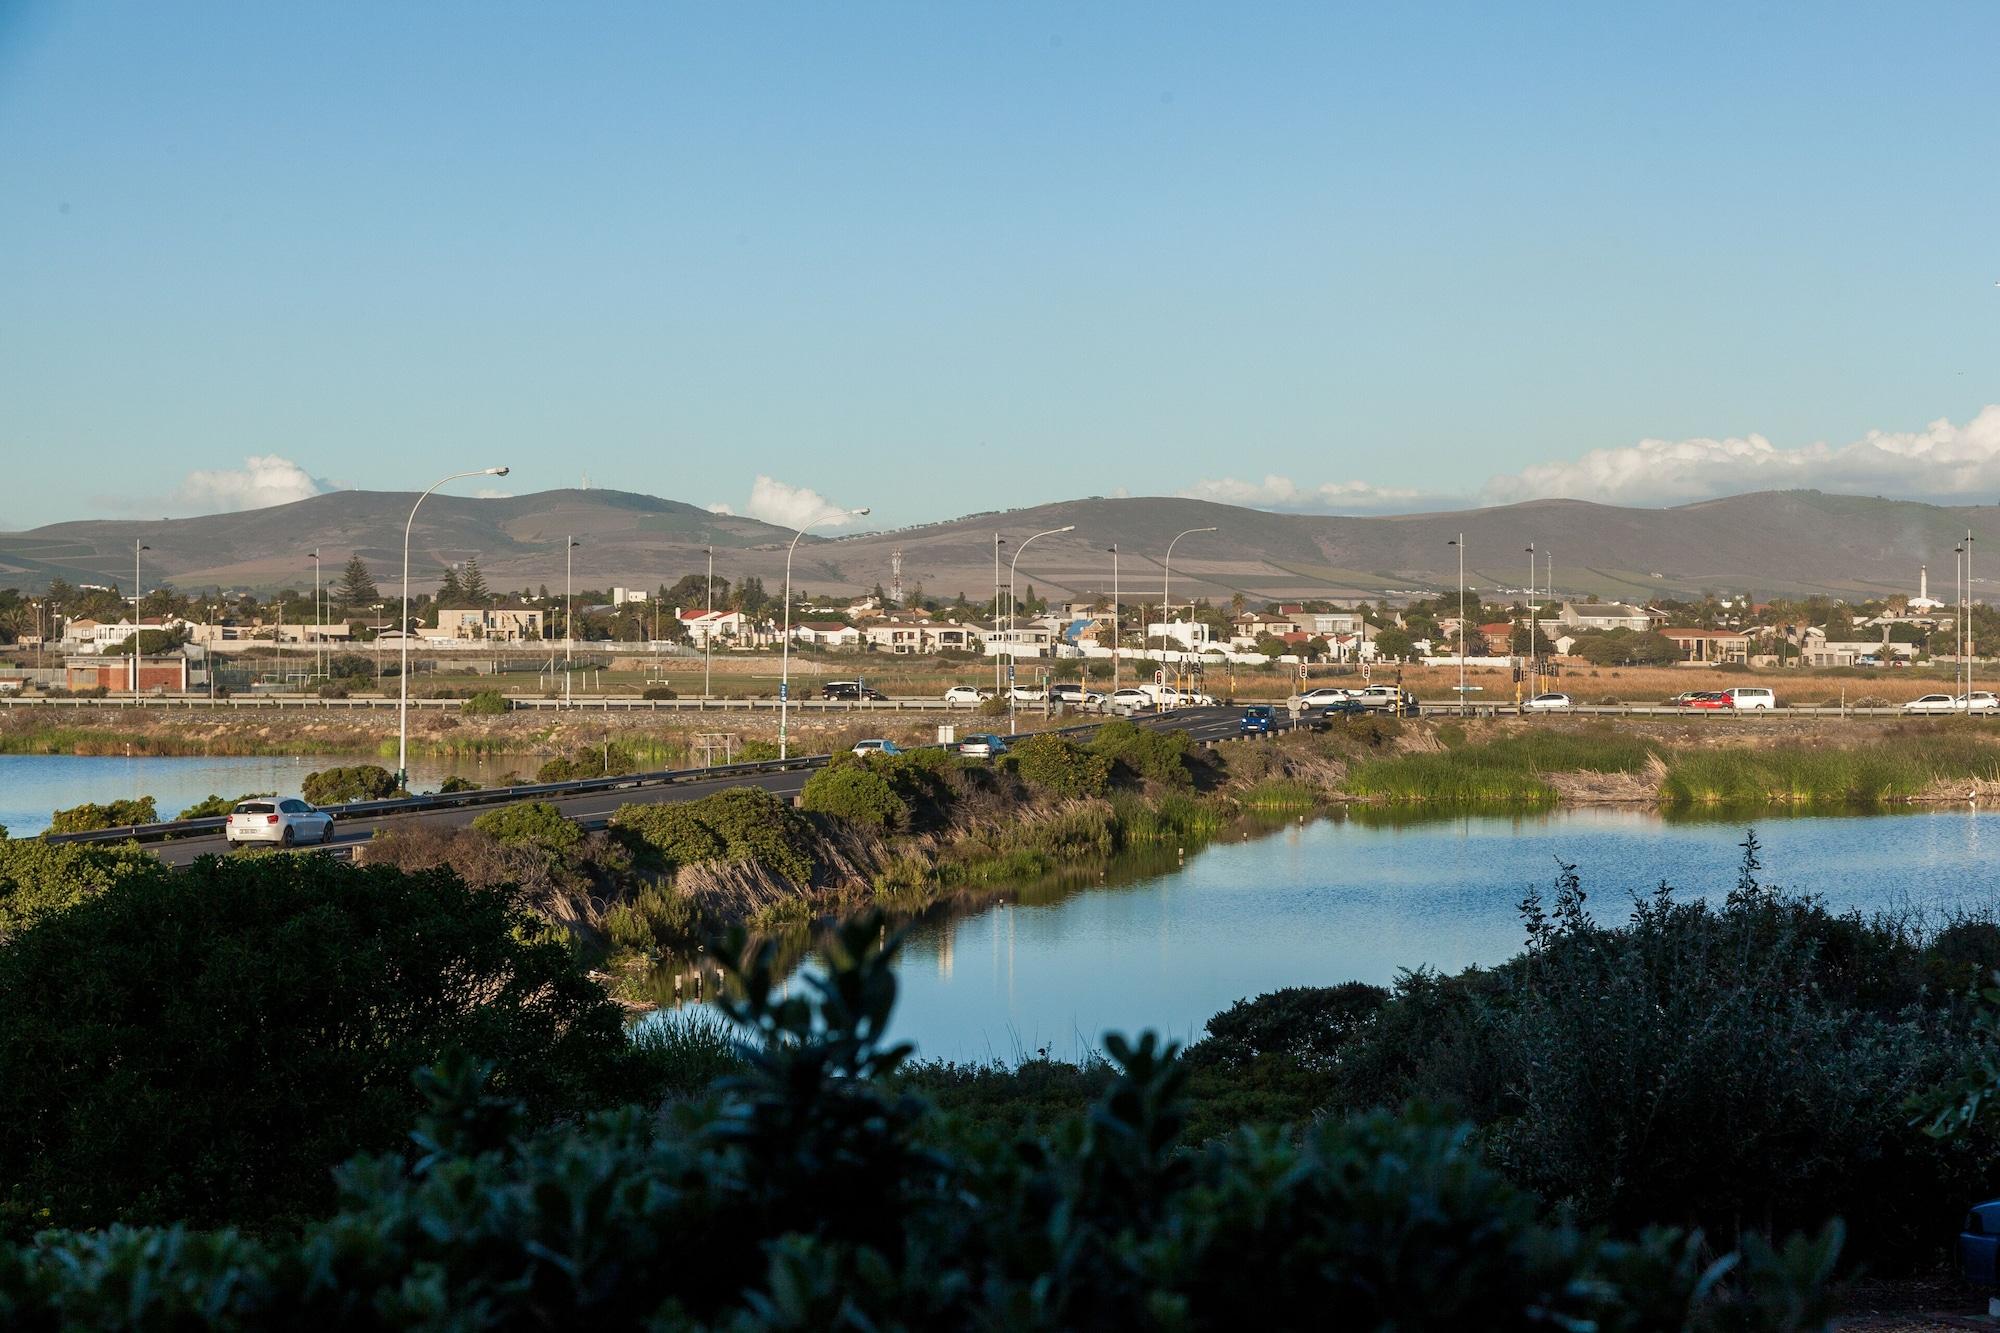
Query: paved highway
x=593, y=809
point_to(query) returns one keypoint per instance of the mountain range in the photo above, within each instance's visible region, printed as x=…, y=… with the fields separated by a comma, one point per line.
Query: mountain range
x=1769, y=542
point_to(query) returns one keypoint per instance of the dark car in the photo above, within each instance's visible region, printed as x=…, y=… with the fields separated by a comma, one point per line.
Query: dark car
x=1257, y=719
x=849, y=691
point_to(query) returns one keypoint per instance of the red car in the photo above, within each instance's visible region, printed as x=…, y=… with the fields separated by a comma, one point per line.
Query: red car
x=1711, y=699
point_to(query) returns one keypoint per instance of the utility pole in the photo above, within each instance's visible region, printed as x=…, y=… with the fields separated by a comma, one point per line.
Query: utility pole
x=1533, y=675
x=319, y=620
x=1459, y=542
x=138, y=628
x=569, y=614
x=1114, y=623
x=998, y=542
x=708, y=627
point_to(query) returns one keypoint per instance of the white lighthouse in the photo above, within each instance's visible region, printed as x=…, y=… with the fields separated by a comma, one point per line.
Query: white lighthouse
x=1923, y=601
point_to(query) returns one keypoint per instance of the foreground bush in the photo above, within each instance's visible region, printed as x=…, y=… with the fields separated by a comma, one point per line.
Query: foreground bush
x=809, y=1194
x=1054, y=765
x=204, y=1044
x=852, y=790
x=114, y=814
x=742, y=824
x=337, y=786
x=38, y=878
x=485, y=703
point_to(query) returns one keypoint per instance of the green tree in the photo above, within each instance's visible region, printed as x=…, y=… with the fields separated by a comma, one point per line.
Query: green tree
x=1393, y=642
x=357, y=586
x=203, y=1044
x=472, y=583
x=450, y=591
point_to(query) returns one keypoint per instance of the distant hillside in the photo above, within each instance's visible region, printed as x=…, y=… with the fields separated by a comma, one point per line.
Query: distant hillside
x=1784, y=542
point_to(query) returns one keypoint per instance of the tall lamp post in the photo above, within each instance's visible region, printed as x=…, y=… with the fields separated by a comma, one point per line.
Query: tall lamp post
x=1166, y=584
x=1114, y=622
x=319, y=620
x=1459, y=542
x=138, y=615
x=1535, y=680
x=708, y=627
x=403, y=675
x=569, y=613
x=785, y=649
x=1966, y=620
x=998, y=542
x=1012, y=644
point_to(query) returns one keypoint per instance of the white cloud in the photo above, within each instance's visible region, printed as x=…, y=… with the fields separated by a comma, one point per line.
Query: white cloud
x=789, y=506
x=1282, y=493
x=721, y=509
x=263, y=480
x=1943, y=461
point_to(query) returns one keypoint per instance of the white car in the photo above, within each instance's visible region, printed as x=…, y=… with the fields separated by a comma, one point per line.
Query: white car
x=1129, y=701
x=1751, y=699
x=1548, y=703
x=1321, y=697
x=967, y=694
x=288, y=822
x=876, y=746
x=1980, y=701
x=1932, y=703
x=1026, y=694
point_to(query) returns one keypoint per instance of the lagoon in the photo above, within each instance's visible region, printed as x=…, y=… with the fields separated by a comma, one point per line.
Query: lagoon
x=34, y=785
x=1335, y=899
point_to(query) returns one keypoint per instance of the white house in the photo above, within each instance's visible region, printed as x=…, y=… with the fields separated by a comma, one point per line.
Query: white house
x=1603, y=616
x=827, y=634
x=1191, y=635
x=1025, y=641
x=703, y=626
x=900, y=635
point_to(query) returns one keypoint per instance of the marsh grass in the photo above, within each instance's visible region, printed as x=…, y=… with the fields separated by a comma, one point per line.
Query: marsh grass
x=1281, y=794
x=1897, y=768
x=1505, y=771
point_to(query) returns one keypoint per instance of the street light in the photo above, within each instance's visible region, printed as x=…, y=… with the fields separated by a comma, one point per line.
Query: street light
x=138, y=626
x=998, y=542
x=319, y=619
x=403, y=676
x=785, y=649
x=1114, y=622
x=1534, y=684
x=1459, y=542
x=1166, y=583
x=708, y=627
x=1012, y=645
x=569, y=614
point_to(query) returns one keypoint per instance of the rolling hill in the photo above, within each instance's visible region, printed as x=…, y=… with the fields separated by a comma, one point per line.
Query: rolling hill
x=1782, y=542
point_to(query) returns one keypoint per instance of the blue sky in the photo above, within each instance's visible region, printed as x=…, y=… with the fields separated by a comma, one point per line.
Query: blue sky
x=944, y=258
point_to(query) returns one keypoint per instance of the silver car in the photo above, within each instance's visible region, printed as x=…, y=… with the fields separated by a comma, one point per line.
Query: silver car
x=288, y=822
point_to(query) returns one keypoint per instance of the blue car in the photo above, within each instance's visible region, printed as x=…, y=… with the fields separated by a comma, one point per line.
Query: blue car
x=1257, y=719
x=866, y=748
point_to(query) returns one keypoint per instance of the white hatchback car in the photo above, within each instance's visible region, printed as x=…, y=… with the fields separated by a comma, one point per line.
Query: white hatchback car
x=287, y=822
x=1548, y=703
x=1129, y=701
x=1931, y=703
x=967, y=694
x=1980, y=701
x=1321, y=697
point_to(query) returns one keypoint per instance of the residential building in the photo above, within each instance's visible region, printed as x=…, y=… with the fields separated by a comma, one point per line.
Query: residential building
x=86, y=635
x=1603, y=616
x=505, y=624
x=1191, y=635
x=704, y=626
x=1709, y=645
x=628, y=596
x=159, y=673
x=826, y=634
x=1023, y=641
x=904, y=635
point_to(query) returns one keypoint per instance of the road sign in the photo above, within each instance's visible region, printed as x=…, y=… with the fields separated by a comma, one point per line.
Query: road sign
x=784, y=689
x=1010, y=673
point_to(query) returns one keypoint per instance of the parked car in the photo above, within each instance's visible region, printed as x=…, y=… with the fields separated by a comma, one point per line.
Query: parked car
x=1197, y=699
x=285, y=822
x=1319, y=719
x=1548, y=703
x=1379, y=696
x=1128, y=701
x=1709, y=699
x=849, y=690
x=1751, y=699
x=1932, y=703
x=868, y=747
x=1257, y=720
x=967, y=694
x=983, y=746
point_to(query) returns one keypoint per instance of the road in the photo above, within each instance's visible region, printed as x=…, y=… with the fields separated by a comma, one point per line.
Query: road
x=593, y=809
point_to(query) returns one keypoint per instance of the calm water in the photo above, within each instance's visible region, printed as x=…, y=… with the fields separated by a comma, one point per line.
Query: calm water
x=1333, y=900
x=33, y=785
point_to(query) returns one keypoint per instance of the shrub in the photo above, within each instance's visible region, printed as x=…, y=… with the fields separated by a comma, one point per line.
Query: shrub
x=593, y=761
x=535, y=823
x=115, y=814
x=353, y=667
x=204, y=1043
x=485, y=703
x=993, y=707
x=1057, y=766
x=810, y=1192
x=1308, y=1023
x=1140, y=754
x=741, y=824
x=853, y=791
x=454, y=783
x=40, y=878
x=673, y=834
x=210, y=806
x=659, y=692
x=337, y=786
x=333, y=689
x=685, y=1050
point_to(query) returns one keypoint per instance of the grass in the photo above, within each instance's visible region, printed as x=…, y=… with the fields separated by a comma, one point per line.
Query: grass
x=1281, y=794
x=1506, y=771
x=1898, y=768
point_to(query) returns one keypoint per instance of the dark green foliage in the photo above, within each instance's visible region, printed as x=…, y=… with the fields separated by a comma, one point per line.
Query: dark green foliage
x=485, y=703
x=351, y=667
x=337, y=786
x=38, y=878
x=453, y=783
x=593, y=761
x=742, y=824
x=535, y=823
x=812, y=1193
x=1307, y=1023
x=114, y=814
x=210, y=806
x=1054, y=765
x=658, y=692
x=851, y=789
x=204, y=1044
x=1140, y=754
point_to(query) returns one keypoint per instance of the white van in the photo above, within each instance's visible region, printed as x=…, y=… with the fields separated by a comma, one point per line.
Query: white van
x=1751, y=699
